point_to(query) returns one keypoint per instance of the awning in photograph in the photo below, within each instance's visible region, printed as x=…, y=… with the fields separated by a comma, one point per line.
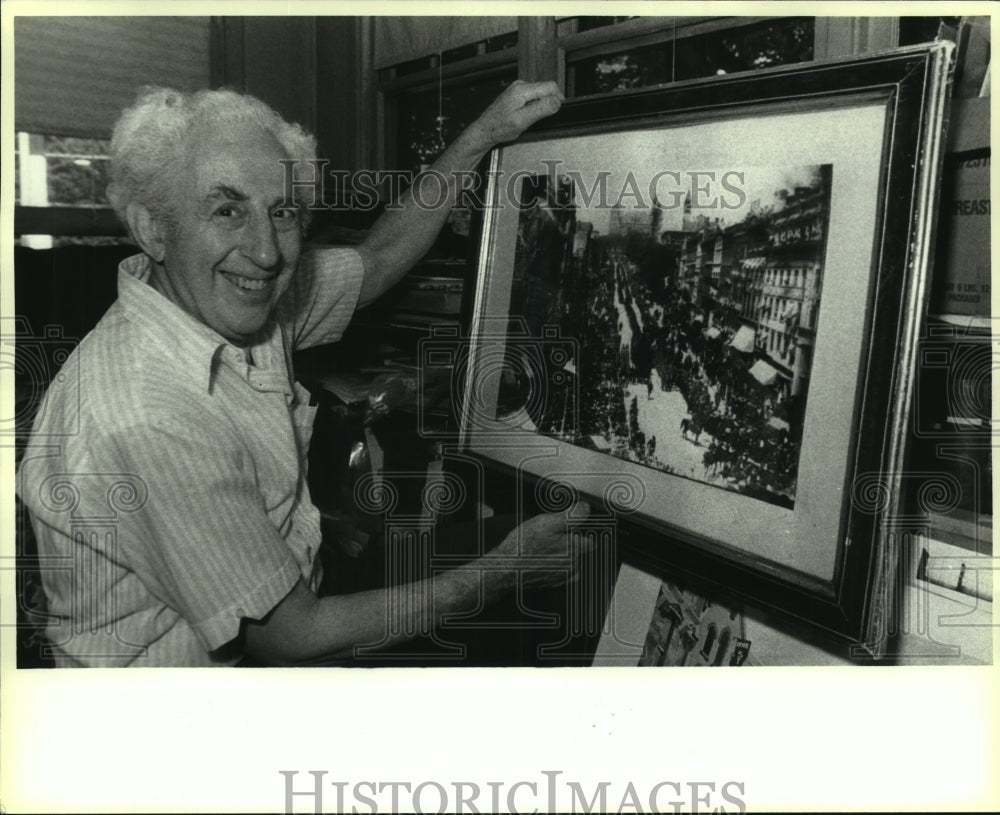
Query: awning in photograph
x=754, y=262
x=600, y=443
x=778, y=424
x=518, y=418
x=744, y=339
x=797, y=216
x=764, y=372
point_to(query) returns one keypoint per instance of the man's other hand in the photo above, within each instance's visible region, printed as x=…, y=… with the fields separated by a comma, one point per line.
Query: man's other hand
x=539, y=549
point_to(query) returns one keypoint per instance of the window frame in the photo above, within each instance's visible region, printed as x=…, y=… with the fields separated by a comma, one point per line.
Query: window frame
x=479, y=67
x=62, y=220
x=639, y=33
x=549, y=47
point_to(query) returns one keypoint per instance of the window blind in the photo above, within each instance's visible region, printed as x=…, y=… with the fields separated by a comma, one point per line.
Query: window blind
x=399, y=39
x=74, y=75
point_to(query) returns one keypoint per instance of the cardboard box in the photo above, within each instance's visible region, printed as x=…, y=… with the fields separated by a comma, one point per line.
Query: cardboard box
x=961, y=282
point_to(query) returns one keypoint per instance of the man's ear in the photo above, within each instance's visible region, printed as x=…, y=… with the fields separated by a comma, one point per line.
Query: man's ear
x=147, y=231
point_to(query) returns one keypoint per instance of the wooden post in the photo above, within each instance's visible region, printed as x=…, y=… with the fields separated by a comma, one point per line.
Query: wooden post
x=537, y=52
x=843, y=36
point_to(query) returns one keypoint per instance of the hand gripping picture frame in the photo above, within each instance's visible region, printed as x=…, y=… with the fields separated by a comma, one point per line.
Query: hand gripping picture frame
x=698, y=305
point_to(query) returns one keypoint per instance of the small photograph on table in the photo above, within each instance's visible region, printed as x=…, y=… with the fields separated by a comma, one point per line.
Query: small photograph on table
x=688, y=629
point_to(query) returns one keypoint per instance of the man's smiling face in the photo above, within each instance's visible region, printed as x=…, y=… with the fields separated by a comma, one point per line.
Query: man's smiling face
x=232, y=248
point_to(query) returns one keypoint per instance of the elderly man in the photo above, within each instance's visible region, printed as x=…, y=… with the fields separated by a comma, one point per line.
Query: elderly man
x=166, y=467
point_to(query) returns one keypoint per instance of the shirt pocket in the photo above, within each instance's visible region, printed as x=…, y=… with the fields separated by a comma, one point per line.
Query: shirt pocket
x=303, y=418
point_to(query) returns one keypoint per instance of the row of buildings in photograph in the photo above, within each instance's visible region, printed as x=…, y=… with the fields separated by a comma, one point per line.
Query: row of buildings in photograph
x=760, y=278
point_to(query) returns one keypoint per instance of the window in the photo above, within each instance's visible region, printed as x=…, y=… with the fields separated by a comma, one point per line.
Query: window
x=430, y=99
x=706, y=649
x=64, y=171
x=723, y=647
x=435, y=76
x=428, y=120
x=74, y=76
x=687, y=50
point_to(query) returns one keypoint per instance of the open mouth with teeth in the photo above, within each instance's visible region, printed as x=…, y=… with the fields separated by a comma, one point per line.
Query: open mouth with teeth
x=250, y=284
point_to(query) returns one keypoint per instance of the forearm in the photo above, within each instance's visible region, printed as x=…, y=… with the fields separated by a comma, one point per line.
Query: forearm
x=305, y=628
x=407, y=229
x=405, y=232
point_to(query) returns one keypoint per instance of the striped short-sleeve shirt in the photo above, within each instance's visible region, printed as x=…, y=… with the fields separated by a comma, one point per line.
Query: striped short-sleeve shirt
x=166, y=477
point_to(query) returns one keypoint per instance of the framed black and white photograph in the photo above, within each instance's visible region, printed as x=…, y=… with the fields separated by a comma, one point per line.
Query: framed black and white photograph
x=693, y=305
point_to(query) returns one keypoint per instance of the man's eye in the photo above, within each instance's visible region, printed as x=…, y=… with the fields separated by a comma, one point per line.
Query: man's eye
x=286, y=213
x=227, y=211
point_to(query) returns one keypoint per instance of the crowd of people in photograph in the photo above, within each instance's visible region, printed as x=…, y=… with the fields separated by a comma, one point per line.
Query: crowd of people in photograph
x=743, y=426
x=641, y=334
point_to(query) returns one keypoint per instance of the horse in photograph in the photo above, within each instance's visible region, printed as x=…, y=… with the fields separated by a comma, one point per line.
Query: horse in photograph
x=690, y=426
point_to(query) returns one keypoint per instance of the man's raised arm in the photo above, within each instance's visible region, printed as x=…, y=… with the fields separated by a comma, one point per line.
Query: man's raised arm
x=405, y=233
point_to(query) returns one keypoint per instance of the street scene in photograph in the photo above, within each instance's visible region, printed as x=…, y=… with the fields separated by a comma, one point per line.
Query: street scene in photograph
x=695, y=322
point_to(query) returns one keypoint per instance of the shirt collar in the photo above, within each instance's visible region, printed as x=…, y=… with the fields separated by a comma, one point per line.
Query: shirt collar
x=173, y=328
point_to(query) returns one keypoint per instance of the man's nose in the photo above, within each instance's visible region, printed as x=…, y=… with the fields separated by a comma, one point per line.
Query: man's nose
x=261, y=243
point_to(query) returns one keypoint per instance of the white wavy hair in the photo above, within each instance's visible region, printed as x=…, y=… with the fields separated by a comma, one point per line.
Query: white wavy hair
x=149, y=137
